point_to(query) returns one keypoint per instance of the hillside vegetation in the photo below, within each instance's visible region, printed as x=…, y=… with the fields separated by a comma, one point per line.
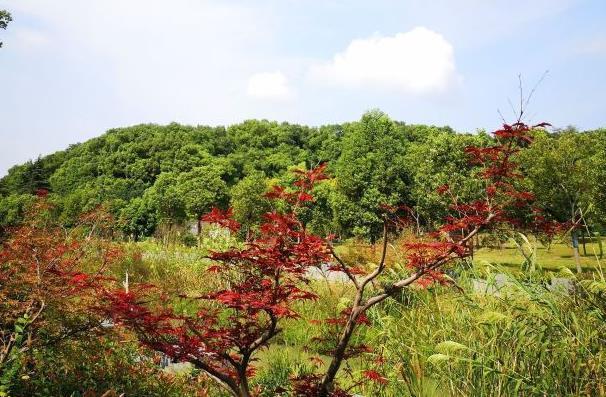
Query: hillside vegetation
x=153, y=177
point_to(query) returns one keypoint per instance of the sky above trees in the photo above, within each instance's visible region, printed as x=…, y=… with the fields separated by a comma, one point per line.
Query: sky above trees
x=69, y=69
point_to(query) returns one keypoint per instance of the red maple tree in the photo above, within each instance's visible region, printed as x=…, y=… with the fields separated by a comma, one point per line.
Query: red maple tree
x=264, y=279
x=48, y=283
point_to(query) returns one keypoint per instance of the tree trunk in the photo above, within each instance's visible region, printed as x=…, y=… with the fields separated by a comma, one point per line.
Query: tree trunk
x=583, y=242
x=418, y=221
x=337, y=360
x=243, y=389
x=472, y=249
x=244, y=392
x=167, y=233
x=575, y=248
x=575, y=237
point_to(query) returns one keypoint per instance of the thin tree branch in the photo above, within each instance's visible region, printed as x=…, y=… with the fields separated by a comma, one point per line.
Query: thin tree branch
x=344, y=267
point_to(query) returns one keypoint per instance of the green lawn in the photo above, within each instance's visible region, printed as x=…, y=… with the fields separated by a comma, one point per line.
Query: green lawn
x=558, y=256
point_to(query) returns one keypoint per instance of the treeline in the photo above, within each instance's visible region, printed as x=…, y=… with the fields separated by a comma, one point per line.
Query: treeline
x=154, y=179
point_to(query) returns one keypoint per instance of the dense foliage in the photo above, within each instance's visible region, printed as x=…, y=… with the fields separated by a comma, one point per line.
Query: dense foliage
x=153, y=178
x=5, y=18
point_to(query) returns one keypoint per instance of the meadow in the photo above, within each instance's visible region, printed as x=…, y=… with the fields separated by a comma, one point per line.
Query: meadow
x=524, y=340
x=553, y=258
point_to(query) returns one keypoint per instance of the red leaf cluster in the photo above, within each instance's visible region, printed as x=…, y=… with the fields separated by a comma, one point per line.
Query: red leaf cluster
x=222, y=218
x=46, y=274
x=304, y=184
x=265, y=278
x=374, y=376
x=503, y=202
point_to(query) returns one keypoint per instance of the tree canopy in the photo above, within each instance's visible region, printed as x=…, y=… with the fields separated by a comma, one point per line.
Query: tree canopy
x=150, y=175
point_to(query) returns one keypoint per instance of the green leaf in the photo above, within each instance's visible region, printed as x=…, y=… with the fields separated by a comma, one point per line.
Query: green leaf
x=450, y=346
x=438, y=358
x=565, y=271
x=493, y=317
x=594, y=286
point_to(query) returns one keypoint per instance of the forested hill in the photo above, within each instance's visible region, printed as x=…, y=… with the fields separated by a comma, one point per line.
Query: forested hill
x=150, y=175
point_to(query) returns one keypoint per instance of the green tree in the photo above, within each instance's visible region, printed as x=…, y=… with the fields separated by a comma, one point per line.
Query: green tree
x=167, y=199
x=191, y=156
x=5, y=18
x=201, y=189
x=248, y=201
x=12, y=208
x=70, y=205
x=560, y=169
x=370, y=173
x=27, y=178
x=598, y=177
x=439, y=159
x=138, y=218
x=322, y=219
x=74, y=173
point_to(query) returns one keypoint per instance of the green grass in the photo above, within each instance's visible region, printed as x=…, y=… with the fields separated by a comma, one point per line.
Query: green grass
x=441, y=342
x=559, y=255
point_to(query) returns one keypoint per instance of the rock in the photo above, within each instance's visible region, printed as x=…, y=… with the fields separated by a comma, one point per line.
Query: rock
x=562, y=285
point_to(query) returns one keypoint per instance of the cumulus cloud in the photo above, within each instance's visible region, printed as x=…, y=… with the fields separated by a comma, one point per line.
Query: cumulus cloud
x=269, y=85
x=418, y=61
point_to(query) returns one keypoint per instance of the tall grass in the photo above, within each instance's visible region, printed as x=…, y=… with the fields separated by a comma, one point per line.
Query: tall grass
x=523, y=341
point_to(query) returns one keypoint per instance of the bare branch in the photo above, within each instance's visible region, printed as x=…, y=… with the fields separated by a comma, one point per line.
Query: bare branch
x=344, y=267
x=399, y=285
x=381, y=265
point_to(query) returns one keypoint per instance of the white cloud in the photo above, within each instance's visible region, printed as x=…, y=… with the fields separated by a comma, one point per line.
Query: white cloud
x=419, y=61
x=269, y=85
x=186, y=61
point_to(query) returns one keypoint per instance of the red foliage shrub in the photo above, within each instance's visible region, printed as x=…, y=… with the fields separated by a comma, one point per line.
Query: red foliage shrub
x=265, y=278
x=47, y=284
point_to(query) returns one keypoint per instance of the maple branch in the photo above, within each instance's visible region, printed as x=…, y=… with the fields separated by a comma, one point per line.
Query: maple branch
x=270, y=333
x=223, y=379
x=359, y=308
x=399, y=285
x=87, y=326
x=381, y=265
x=344, y=267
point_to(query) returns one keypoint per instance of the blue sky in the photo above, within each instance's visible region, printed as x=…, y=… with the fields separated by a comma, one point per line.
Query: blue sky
x=71, y=69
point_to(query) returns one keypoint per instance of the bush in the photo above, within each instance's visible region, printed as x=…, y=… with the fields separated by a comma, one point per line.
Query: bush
x=92, y=366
